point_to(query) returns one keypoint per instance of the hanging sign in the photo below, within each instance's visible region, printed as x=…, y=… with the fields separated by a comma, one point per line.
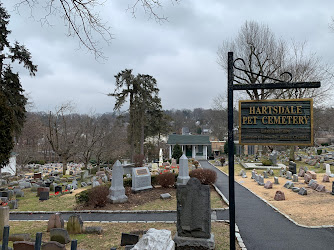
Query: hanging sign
x=276, y=122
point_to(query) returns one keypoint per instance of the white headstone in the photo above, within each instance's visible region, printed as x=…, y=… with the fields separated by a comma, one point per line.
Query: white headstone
x=156, y=239
x=117, y=191
x=155, y=167
x=141, y=179
x=160, y=158
x=328, y=169
x=183, y=176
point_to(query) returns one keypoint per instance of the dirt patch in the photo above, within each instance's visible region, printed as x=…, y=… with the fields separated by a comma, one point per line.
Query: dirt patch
x=313, y=209
x=135, y=199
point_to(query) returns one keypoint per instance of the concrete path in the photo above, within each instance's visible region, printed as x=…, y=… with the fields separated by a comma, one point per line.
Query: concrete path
x=261, y=227
x=110, y=216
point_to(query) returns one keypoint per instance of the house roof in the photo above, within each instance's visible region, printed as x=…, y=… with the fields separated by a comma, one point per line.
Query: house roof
x=188, y=140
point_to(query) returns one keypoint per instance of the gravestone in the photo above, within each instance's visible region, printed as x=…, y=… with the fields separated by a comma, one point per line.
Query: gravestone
x=301, y=172
x=117, y=191
x=194, y=215
x=289, y=185
x=325, y=178
x=261, y=180
x=60, y=235
x=183, y=176
x=307, y=178
x=312, y=174
x=43, y=196
x=75, y=224
x=38, y=175
x=4, y=219
x=141, y=179
x=279, y=196
x=55, y=221
x=289, y=175
x=268, y=185
x=42, y=189
x=19, y=237
x=53, y=245
x=129, y=239
x=302, y=191
x=156, y=239
x=256, y=178
x=320, y=188
x=155, y=167
x=295, y=178
x=273, y=157
x=253, y=174
x=276, y=180
x=23, y=245
x=265, y=174
x=93, y=230
x=332, y=193
x=293, y=167
x=271, y=172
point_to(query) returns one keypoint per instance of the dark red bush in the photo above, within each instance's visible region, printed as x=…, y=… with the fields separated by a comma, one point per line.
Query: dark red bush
x=205, y=176
x=166, y=180
x=97, y=196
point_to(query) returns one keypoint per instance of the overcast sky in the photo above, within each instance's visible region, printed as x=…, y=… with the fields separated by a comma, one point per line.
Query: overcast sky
x=181, y=53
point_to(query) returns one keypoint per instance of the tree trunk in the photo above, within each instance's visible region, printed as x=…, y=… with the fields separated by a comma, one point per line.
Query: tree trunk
x=142, y=136
x=64, y=166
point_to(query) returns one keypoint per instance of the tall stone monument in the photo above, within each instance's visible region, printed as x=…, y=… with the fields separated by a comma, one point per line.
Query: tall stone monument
x=194, y=216
x=117, y=191
x=183, y=176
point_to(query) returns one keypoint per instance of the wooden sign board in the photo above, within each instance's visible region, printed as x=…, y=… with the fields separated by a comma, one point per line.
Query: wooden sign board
x=276, y=122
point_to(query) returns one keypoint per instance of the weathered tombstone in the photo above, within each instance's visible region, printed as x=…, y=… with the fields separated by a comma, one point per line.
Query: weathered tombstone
x=13, y=204
x=53, y=245
x=332, y=193
x=253, y=174
x=261, y=180
x=156, y=239
x=141, y=179
x=292, y=167
x=256, y=178
x=273, y=157
x=302, y=191
x=129, y=239
x=268, y=185
x=289, y=175
x=183, y=176
x=271, y=172
x=325, y=178
x=117, y=191
x=23, y=245
x=301, y=172
x=307, y=178
x=93, y=230
x=43, y=196
x=165, y=196
x=320, y=188
x=265, y=174
x=279, y=196
x=4, y=219
x=42, y=189
x=19, y=237
x=289, y=185
x=194, y=215
x=295, y=178
x=60, y=235
x=312, y=174
x=155, y=167
x=314, y=185
x=75, y=224
x=282, y=172
x=55, y=221
x=276, y=180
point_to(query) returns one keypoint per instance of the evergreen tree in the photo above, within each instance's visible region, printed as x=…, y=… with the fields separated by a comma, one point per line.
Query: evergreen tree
x=177, y=152
x=12, y=99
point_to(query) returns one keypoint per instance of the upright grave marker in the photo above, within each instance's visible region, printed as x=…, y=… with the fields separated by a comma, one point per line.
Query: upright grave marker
x=141, y=179
x=117, y=191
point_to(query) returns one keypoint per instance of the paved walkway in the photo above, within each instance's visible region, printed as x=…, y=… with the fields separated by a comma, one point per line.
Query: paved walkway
x=261, y=227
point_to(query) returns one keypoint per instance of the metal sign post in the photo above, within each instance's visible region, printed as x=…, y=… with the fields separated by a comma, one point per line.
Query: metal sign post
x=230, y=88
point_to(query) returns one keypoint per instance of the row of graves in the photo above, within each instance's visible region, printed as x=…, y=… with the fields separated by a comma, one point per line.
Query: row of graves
x=293, y=177
x=193, y=212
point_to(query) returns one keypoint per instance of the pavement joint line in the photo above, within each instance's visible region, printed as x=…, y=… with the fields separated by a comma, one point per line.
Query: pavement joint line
x=237, y=232
x=276, y=209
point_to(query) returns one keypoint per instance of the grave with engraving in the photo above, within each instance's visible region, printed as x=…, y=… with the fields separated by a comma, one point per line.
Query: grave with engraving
x=141, y=179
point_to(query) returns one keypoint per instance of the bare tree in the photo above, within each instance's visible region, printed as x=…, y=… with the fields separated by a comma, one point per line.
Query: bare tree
x=265, y=57
x=84, y=22
x=63, y=133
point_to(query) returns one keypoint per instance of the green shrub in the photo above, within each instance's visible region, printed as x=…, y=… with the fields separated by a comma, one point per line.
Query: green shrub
x=82, y=197
x=97, y=196
x=177, y=152
x=94, y=170
x=266, y=162
x=127, y=182
x=205, y=176
x=166, y=180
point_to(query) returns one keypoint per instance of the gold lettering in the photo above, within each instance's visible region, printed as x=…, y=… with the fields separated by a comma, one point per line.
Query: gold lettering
x=264, y=110
x=295, y=120
x=299, y=111
x=244, y=119
x=270, y=119
x=252, y=110
x=263, y=118
x=283, y=119
x=258, y=111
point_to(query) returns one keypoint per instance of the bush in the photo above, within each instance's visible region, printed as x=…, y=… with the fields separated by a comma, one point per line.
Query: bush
x=94, y=170
x=166, y=180
x=127, y=182
x=97, y=196
x=177, y=152
x=82, y=197
x=205, y=176
x=266, y=162
x=139, y=160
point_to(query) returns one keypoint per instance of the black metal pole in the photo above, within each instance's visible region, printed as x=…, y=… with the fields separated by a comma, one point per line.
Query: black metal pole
x=5, y=238
x=74, y=244
x=38, y=241
x=230, y=79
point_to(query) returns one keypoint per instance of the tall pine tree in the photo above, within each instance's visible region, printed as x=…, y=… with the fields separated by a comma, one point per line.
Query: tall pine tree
x=12, y=100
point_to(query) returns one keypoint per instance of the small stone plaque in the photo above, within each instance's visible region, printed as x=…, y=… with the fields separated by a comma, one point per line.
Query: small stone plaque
x=142, y=171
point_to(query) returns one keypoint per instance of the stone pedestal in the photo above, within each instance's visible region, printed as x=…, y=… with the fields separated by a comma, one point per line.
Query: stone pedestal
x=183, y=176
x=117, y=191
x=195, y=243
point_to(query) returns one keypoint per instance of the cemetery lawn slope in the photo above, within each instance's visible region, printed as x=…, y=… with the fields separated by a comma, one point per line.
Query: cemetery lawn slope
x=111, y=235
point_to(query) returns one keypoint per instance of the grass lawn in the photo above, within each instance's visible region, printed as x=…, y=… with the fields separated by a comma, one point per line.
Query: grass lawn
x=111, y=236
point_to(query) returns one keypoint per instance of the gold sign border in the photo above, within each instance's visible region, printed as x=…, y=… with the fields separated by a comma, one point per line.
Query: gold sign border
x=278, y=143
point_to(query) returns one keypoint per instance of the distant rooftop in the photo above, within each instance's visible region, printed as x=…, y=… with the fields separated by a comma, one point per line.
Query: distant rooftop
x=188, y=140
